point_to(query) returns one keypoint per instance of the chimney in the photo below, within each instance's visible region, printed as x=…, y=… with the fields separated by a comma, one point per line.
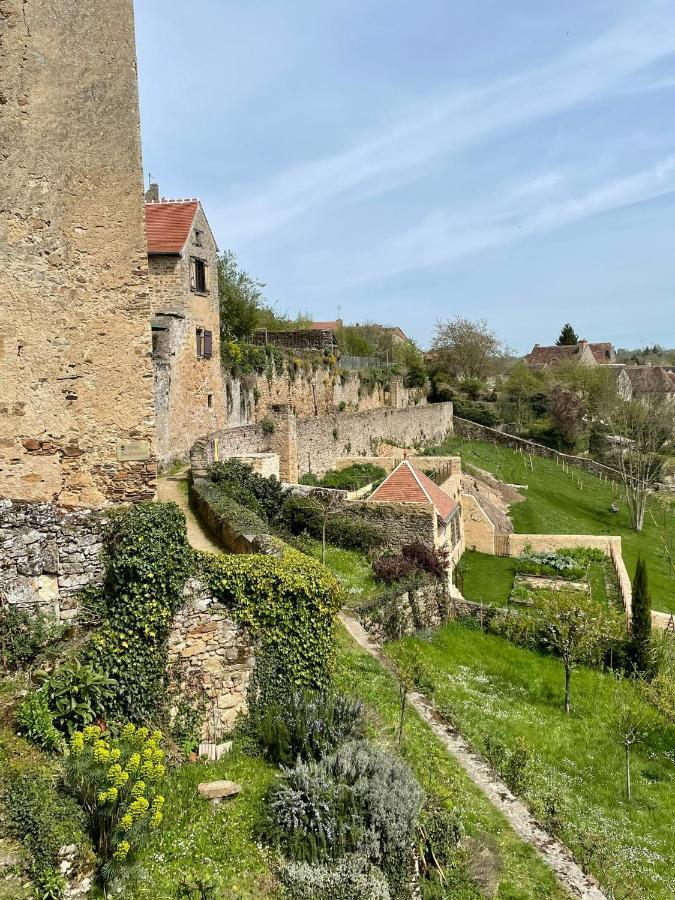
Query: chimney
x=152, y=193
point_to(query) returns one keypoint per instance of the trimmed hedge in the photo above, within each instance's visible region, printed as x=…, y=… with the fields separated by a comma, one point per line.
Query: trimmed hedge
x=221, y=511
x=304, y=514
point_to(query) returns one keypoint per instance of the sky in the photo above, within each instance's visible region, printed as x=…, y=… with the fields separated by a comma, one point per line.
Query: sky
x=401, y=163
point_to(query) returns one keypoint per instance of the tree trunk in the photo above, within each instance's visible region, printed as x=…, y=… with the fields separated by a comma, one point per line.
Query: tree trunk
x=323, y=542
x=628, y=786
x=568, y=677
x=400, y=724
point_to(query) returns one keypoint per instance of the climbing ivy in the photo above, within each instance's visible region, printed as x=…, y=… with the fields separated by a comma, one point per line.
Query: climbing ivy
x=147, y=561
x=289, y=605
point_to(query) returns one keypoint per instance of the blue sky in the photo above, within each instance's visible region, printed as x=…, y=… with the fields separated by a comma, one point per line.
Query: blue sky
x=401, y=162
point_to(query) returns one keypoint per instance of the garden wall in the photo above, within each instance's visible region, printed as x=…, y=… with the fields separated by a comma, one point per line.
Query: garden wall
x=47, y=555
x=393, y=617
x=323, y=441
x=210, y=657
x=609, y=545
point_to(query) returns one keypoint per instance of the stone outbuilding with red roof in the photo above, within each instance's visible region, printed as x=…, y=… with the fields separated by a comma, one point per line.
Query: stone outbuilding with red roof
x=407, y=484
x=583, y=353
x=183, y=266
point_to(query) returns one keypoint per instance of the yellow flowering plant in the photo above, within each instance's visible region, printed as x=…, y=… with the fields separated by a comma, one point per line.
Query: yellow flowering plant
x=116, y=780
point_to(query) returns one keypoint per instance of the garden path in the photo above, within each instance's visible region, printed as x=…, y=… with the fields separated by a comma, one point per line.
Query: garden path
x=175, y=487
x=553, y=852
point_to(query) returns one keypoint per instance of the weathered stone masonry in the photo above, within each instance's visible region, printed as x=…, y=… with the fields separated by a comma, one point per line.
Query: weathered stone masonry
x=76, y=396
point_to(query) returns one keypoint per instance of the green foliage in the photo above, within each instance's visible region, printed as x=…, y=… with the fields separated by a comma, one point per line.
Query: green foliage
x=36, y=722
x=309, y=478
x=476, y=411
x=147, y=559
x=77, y=694
x=196, y=886
x=306, y=515
x=351, y=878
x=412, y=559
x=35, y=812
x=642, y=618
x=23, y=636
x=288, y=603
x=572, y=564
x=353, y=477
x=241, y=299
x=291, y=725
x=116, y=783
x=225, y=510
x=264, y=496
x=267, y=426
x=359, y=798
x=567, y=336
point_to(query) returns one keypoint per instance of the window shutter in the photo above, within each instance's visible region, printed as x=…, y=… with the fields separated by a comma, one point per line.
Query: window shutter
x=192, y=275
x=208, y=344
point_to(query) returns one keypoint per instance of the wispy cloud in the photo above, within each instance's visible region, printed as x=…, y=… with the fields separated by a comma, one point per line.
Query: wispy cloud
x=456, y=120
x=440, y=238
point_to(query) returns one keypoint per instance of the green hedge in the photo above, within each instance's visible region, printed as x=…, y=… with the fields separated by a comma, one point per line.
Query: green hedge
x=222, y=510
x=305, y=515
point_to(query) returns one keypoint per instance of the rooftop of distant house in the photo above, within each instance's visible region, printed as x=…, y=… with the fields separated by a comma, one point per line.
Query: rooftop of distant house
x=406, y=484
x=650, y=380
x=603, y=353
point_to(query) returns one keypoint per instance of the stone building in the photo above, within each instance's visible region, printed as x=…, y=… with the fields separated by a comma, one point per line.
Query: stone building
x=76, y=397
x=76, y=388
x=583, y=353
x=183, y=263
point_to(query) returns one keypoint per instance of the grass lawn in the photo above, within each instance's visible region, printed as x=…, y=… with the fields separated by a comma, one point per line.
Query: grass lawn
x=492, y=689
x=351, y=568
x=487, y=579
x=524, y=875
x=200, y=839
x=556, y=505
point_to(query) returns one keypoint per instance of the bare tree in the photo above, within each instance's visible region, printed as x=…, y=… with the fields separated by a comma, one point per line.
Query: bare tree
x=633, y=722
x=320, y=506
x=645, y=427
x=467, y=349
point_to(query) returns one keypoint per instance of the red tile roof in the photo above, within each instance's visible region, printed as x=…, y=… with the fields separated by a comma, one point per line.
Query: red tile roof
x=546, y=356
x=603, y=352
x=168, y=224
x=406, y=484
x=324, y=326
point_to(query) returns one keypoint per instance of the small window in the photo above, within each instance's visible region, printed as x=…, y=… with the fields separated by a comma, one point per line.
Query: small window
x=204, y=343
x=209, y=401
x=198, y=276
x=199, y=238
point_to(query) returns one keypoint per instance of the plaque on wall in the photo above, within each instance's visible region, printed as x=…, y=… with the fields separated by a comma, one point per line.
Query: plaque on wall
x=133, y=451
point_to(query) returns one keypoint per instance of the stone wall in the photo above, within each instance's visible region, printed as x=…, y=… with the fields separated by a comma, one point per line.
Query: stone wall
x=189, y=390
x=393, y=617
x=76, y=393
x=312, y=392
x=211, y=655
x=322, y=441
x=47, y=554
x=479, y=532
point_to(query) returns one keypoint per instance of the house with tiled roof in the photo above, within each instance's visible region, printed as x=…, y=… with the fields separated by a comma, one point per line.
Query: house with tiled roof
x=651, y=383
x=407, y=484
x=183, y=268
x=583, y=353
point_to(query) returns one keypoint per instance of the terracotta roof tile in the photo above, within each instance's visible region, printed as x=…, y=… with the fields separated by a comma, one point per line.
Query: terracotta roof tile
x=406, y=484
x=168, y=224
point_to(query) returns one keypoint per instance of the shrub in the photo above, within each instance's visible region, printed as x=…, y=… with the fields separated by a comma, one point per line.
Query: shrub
x=439, y=834
x=358, y=798
x=36, y=722
x=115, y=781
x=223, y=510
x=412, y=558
x=475, y=411
x=34, y=812
x=23, y=636
x=267, y=426
x=266, y=495
x=305, y=514
x=309, y=478
x=147, y=560
x=353, y=477
x=303, y=724
x=197, y=886
x=76, y=694
x=351, y=878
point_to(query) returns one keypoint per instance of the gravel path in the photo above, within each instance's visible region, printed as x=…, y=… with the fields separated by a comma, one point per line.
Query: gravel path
x=174, y=487
x=554, y=854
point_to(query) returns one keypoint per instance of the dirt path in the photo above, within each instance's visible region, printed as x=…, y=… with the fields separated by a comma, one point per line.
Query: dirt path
x=554, y=854
x=174, y=487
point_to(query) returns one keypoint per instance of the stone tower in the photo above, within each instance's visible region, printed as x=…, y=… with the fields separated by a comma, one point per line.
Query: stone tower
x=76, y=383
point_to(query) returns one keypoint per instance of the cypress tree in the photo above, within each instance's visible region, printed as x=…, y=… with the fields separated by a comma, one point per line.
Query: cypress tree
x=567, y=336
x=642, y=617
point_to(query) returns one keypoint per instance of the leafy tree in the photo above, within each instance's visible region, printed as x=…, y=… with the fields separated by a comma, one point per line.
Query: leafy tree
x=241, y=299
x=642, y=617
x=647, y=427
x=567, y=336
x=570, y=625
x=467, y=349
x=566, y=411
x=524, y=395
